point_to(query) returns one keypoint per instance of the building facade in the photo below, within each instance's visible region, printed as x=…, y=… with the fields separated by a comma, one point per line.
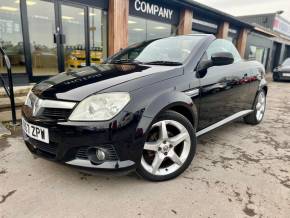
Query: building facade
x=269, y=41
x=45, y=37
x=259, y=47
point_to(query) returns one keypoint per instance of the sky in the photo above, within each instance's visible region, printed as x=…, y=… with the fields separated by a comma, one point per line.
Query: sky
x=247, y=7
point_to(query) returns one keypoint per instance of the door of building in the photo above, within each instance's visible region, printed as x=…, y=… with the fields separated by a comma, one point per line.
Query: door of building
x=58, y=37
x=276, y=53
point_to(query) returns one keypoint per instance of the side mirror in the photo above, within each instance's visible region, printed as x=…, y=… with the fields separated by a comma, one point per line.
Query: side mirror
x=217, y=59
x=277, y=68
x=222, y=58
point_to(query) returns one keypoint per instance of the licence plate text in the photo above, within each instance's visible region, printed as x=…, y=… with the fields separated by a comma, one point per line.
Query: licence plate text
x=35, y=132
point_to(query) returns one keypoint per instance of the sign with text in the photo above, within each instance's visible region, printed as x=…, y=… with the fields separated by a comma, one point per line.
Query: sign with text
x=281, y=26
x=154, y=11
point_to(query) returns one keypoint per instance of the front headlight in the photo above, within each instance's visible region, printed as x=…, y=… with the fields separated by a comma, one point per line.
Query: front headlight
x=28, y=100
x=100, y=107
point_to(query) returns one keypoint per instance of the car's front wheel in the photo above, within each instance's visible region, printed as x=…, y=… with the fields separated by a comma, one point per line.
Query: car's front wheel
x=169, y=148
x=275, y=78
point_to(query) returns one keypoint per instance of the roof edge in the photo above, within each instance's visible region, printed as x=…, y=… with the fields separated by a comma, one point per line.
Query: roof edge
x=220, y=14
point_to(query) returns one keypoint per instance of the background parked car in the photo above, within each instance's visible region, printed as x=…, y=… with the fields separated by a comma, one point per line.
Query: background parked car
x=283, y=71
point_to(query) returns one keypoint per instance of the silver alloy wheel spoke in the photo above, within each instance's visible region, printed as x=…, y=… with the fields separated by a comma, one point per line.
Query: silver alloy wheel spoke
x=174, y=157
x=158, y=159
x=163, y=131
x=151, y=146
x=176, y=140
x=164, y=147
x=263, y=100
x=260, y=107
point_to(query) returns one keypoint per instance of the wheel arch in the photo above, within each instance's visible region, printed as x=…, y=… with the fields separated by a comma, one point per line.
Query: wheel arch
x=175, y=101
x=263, y=85
x=265, y=88
x=184, y=110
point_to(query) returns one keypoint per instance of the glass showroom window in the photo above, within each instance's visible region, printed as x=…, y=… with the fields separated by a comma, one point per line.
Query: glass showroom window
x=196, y=32
x=98, y=35
x=141, y=29
x=202, y=26
x=233, y=35
x=73, y=24
x=73, y=20
x=259, y=54
x=41, y=23
x=11, y=35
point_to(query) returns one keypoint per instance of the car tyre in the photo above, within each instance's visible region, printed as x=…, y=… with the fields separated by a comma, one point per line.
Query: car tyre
x=257, y=115
x=169, y=148
x=275, y=79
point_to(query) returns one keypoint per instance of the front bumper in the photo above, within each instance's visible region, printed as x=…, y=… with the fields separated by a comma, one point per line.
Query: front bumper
x=68, y=141
x=279, y=75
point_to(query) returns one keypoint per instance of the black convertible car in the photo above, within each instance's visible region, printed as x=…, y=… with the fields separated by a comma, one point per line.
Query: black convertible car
x=282, y=72
x=145, y=107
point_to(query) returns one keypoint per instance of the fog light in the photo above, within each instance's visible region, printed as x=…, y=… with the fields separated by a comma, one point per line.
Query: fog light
x=100, y=155
x=97, y=155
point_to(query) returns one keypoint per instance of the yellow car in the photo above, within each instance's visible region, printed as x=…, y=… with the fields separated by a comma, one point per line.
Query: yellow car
x=96, y=57
x=77, y=58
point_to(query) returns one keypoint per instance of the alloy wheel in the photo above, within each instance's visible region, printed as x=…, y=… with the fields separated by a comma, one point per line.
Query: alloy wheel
x=166, y=148
x=260, y=106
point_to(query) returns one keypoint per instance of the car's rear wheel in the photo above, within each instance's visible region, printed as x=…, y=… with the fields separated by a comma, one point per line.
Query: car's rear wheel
x=259, y=109
x=169, y=148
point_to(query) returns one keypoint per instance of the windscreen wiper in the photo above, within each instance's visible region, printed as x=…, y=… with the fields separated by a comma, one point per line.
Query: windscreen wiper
x=120, y=61
x=167, y=63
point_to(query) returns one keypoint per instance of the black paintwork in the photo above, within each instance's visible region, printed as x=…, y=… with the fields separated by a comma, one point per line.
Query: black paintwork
x=224, y=91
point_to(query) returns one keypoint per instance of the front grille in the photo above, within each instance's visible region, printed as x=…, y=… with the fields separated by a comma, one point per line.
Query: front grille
x=96, y=59
x=56, y=113
x=81, y=59
x=47, y=148
x=82, y=153
x=52, y=109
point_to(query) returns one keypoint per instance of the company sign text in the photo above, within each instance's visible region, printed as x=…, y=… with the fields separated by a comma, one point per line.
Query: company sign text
x=155, y=11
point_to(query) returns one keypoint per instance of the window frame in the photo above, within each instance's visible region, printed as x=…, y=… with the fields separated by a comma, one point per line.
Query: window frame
x=234, y=52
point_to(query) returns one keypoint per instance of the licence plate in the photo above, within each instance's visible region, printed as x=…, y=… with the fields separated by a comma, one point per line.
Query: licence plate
x=286, y=74
x=35, y=132
x=83, y=64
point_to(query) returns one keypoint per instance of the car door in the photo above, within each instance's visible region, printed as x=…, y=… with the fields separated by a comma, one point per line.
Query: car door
x=223, y=89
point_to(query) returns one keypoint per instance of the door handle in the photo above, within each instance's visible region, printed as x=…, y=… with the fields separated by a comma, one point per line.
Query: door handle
x=55, y=38
x=59, y=38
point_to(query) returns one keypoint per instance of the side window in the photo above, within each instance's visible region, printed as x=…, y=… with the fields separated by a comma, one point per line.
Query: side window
x=222, y=45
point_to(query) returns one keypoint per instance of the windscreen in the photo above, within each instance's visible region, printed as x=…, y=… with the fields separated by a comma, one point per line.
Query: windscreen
x=172, y=50
x=286, y=62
